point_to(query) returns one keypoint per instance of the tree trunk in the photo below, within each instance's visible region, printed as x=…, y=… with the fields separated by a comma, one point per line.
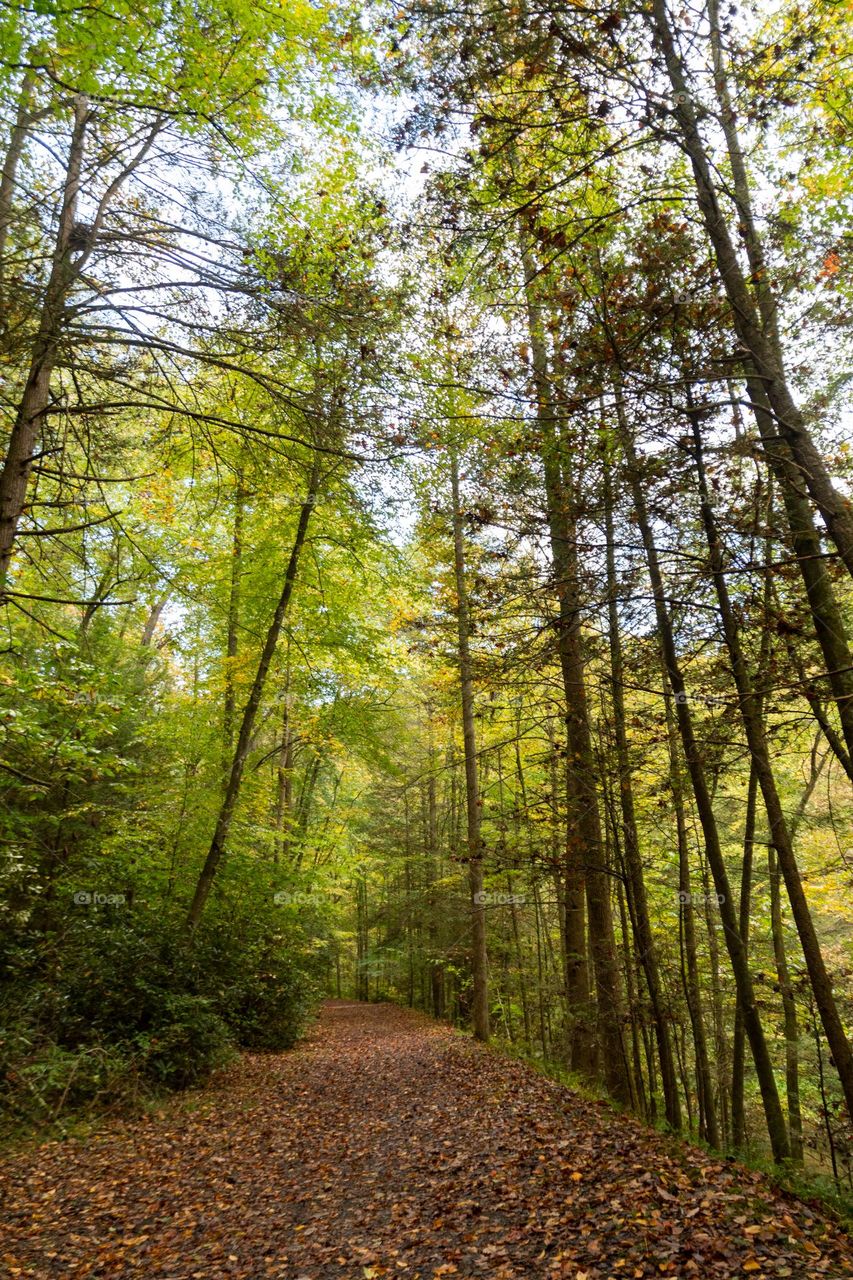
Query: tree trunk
x=789, y=1012
x=226, y=812
x=433, y=856
x=633, y=1006
x=233, y=626
x=14, y=477
x=763, y=1065
x=362, y=977
x=708, y=1128
x=154, y=615
x=749, y=324
x=641, y=922
x=479, y=959
x=64, y=271
x=738, y=1041
x=718, y=1013
x=585, y=847
x=9, y=176
x=284, y=777
x=750, y=710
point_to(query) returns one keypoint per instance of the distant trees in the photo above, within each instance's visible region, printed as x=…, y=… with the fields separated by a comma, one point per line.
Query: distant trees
x=654, y=484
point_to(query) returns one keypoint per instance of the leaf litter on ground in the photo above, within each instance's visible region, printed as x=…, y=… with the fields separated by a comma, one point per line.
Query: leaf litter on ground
x=385, y=1145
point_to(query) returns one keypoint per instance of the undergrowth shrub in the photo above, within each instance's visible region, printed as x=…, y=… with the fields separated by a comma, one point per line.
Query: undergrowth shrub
x=121, y=1007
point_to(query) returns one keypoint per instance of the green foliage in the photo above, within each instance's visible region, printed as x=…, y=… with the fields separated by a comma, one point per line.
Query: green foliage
x=242, y=302
x=270, y=1009
x=184, y=1042
x=129, y=1007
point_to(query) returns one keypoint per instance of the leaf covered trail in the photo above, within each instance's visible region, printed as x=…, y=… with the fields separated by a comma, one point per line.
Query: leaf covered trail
x=387, y=1145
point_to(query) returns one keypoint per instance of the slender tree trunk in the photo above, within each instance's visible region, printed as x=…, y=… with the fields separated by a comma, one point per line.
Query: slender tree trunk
x=226, y=812
x=738, y=1111
x=633, y=1005
x=362, y=978
x=8, y=178
x=14, y=477
x=519, y=960
x=576, y=965
x=693, y=756
x=557, y=830
x=680, y=1042
x=750, y=710
x=433, y=855
x=749, y=322
x=738, y=1040
x=232, y=629
x=480, y=1009
x=789, y=1012
x=697, y=1082
x=549, y=967
x=516, y=933
x=408, y=888
x=65, y=269
x=284, y=775
x=302, y=816
x=629, y=960
x=154, y=615
x=640, y=919
x=824, y=1100
x=693, y=986
x=586, y=847
x=718, y=1012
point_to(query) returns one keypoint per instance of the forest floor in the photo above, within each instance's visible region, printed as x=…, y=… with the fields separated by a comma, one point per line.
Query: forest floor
x=388, y=1145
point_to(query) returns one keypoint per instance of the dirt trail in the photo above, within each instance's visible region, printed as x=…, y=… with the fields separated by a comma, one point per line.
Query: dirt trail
x=386, y=1145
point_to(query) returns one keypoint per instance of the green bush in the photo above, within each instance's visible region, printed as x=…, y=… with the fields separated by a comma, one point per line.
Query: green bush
x=264, y=988
x=66, y=1079
x=271, y=1011
x=39, y=1082
x=129, y=1007
x=189, y=1042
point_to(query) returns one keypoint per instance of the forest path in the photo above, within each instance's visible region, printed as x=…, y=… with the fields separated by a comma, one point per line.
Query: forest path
x=386, y=1145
